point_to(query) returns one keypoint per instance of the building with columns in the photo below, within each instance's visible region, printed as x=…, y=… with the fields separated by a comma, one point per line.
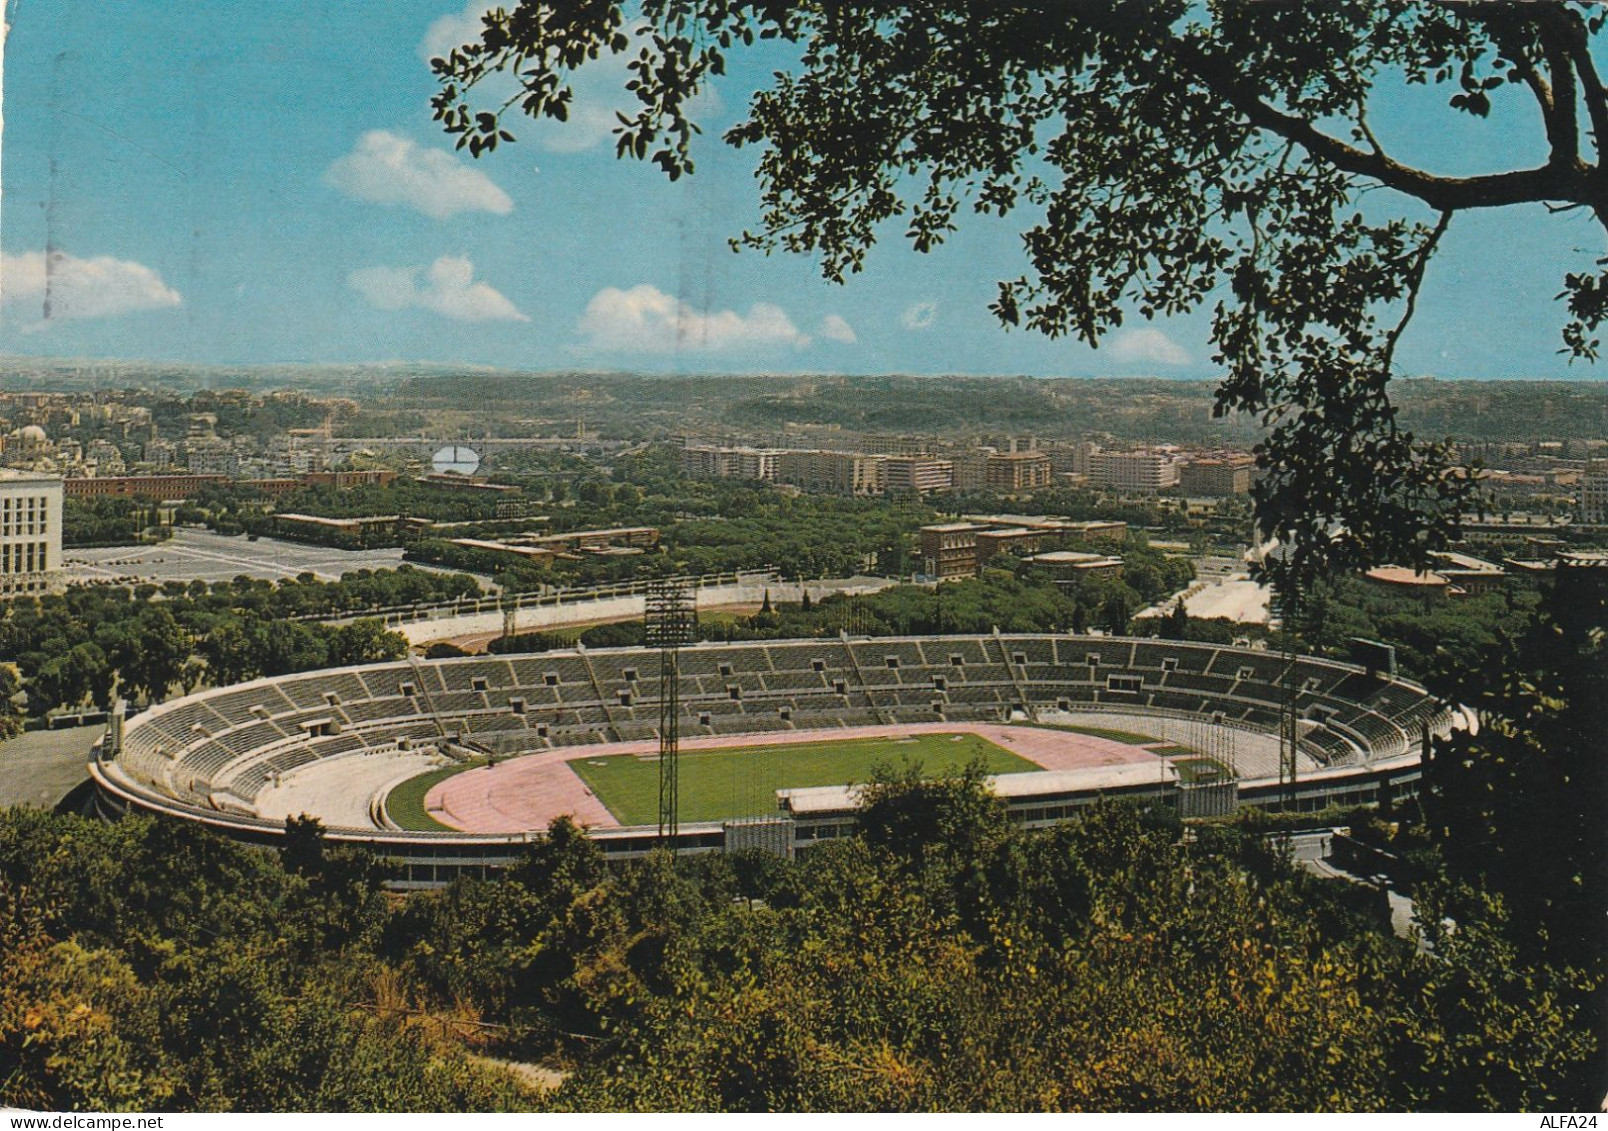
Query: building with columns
x=30, y=532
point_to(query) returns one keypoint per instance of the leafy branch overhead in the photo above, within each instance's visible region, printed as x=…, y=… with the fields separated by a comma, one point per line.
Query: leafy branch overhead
x=1165, y=156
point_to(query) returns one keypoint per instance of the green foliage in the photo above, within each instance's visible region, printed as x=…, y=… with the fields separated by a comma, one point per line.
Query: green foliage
x=93, y=642
x=1515, y=808
x=104, y=521
x=943, y=959
x=154, y=966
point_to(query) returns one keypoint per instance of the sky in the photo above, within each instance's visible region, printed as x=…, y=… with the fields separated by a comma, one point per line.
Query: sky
x=238, y=183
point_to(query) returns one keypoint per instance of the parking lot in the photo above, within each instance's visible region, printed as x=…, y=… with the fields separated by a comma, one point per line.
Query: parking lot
x=192, y=555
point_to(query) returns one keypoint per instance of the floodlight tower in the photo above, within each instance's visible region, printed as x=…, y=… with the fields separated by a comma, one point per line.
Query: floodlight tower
x=671, y=620
x=1289, y=729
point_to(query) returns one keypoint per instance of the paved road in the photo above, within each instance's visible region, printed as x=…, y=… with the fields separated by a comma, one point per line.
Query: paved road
x=41, y=767
x=200, y=554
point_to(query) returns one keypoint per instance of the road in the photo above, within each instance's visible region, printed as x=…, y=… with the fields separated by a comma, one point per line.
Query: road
x=41, y=767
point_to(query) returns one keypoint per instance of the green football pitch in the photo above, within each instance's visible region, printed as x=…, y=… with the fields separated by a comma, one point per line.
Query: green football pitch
x=741, y=781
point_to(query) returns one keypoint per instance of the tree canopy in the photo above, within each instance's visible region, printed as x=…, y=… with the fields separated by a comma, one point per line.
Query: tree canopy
x=1167, y=157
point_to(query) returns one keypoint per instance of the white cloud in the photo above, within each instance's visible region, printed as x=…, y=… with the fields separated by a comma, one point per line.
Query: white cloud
x=453, y=30
x=835, y=329
x=919, y=315
x=646, y=320
x=448, y=288
x=1148, y=345
x=385, y=168
x=39, y=289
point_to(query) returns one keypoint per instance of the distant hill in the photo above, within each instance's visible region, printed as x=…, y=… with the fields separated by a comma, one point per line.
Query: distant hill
x=638, y=405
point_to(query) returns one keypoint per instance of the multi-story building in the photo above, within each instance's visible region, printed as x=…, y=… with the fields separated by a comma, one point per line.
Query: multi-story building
x=1070, y=568
x=1133, y=471
x=917, y=475
x=1217, y=476
x=1593, y=509
x=971, y=469
x=30, y=532
x=168, y=488
x=729, y=463
x=949, y=549
x=161, y=454
x=1011, y=539
x=1018, y=471
x=842, y=473
x=207, y=456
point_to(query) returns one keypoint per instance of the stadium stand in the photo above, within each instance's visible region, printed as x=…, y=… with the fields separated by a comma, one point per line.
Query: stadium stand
x=208, y=756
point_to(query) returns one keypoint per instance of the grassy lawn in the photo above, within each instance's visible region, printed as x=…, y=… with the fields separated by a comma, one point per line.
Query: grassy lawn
x=405, y=803
x=742, y=781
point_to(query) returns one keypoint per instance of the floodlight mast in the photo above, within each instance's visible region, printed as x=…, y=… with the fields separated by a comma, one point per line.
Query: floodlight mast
x=670, y=621
x=1289, y=714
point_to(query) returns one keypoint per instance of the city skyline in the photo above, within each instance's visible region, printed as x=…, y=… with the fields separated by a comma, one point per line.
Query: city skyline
x=223, y=187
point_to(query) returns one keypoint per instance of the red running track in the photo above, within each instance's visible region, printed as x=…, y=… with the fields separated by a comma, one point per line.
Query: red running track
x=525, y=794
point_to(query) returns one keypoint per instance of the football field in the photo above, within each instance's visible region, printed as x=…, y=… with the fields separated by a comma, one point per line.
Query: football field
x=741, y=781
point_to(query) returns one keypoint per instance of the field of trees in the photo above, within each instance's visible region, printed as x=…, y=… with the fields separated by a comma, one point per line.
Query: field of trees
x=942, y=959
x=91, y=644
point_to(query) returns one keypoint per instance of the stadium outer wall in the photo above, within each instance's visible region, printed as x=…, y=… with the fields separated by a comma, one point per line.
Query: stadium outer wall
x=205, y=757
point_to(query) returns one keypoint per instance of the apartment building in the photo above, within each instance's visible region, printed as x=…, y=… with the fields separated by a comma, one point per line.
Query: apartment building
x=1216, y=477
x=917, y=475
x=1017, y=471
x=1133, y=471
x=841, y=473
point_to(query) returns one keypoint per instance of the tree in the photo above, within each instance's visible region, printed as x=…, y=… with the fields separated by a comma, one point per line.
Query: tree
x=67, y=680
x=1171, y=155
x=149, y=652
x=1515, y=806
x=1177, y=626
x=10, y=713
x=366, y=641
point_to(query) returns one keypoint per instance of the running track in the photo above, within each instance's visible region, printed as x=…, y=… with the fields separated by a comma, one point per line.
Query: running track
x=525, y=794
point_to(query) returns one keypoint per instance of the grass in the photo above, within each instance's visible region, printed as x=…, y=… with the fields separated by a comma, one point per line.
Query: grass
x=405, y=803
x=741, y=781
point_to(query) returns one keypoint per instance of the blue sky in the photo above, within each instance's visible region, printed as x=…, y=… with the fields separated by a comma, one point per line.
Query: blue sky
x=244, y=182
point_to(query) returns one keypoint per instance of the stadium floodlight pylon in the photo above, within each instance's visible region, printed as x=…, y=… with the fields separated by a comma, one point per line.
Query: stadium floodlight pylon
x=670, y=620
x=1289, y=728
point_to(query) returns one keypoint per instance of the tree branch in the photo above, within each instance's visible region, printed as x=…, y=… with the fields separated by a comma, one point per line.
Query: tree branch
x=1565, y=179
x=1591, y=88
x=1563, y=124
x=1415, y=280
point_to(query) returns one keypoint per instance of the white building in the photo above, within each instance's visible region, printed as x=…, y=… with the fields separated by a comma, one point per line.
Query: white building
x=1133, y=471
x=30, y=532
x=1594, y=495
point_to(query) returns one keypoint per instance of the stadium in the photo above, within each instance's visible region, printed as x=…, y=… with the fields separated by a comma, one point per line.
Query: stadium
x=447, y=767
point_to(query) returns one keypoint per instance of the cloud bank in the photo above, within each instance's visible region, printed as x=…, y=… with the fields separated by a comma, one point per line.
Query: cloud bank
x=1150, y=346
x=37, y=288
x=646, y=320
x=447, y=288
x=834, y=329
x=385, y=168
